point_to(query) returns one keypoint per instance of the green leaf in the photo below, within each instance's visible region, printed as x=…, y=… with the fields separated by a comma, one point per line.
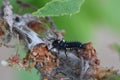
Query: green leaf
x=59, y=8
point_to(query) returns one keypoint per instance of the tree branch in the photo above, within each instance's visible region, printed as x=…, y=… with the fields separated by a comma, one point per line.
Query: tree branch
x=79, y=65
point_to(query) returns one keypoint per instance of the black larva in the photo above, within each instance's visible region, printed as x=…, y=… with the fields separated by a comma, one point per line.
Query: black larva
x=64, y=45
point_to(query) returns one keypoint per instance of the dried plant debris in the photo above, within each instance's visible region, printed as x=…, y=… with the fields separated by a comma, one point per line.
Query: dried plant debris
x=1, y=31
x=14, y=60
x=5, y=36
x=2, y=27
x=40, y=54
x=58, y=68
x=80, y=63
x=101, y=73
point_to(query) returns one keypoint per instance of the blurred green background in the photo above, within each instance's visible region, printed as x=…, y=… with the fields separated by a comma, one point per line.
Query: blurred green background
x=94, y=15
x=82, y=24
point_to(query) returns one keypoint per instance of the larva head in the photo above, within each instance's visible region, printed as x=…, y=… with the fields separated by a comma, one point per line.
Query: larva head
x=56, y=43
